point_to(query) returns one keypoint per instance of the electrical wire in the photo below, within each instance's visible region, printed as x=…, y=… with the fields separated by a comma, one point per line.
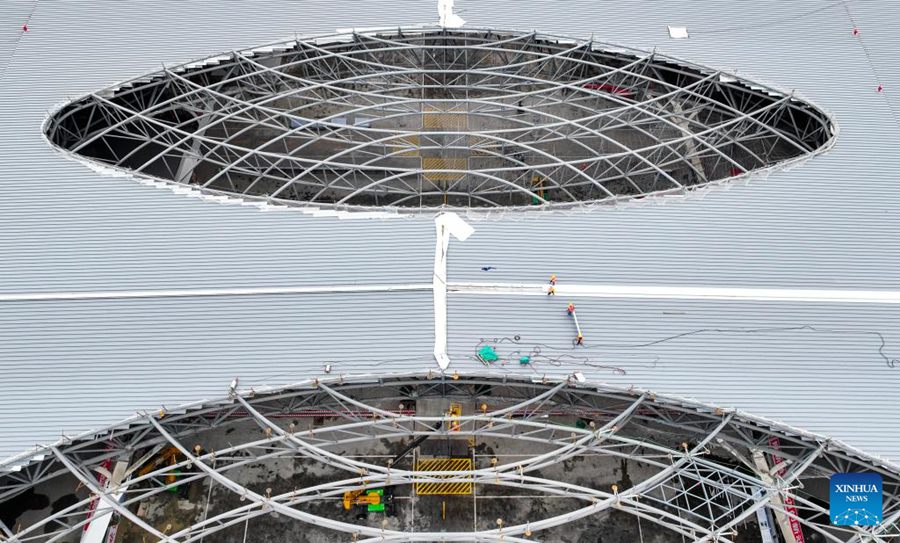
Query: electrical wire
x=537, y=354
x=891, y=362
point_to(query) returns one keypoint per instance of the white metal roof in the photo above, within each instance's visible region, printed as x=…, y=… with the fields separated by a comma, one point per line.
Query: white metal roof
x=829, y=223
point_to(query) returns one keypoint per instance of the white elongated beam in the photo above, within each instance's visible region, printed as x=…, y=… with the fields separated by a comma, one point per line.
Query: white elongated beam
x=684, y=292
x=206, y=292
x=578, y=333
x=446, y=224
x=527, y=289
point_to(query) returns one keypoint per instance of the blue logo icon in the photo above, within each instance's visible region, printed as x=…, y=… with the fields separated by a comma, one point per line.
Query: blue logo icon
x=855, y=499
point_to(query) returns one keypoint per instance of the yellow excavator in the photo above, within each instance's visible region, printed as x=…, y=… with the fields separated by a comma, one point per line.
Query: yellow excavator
x=371, y=497
x=168, y=455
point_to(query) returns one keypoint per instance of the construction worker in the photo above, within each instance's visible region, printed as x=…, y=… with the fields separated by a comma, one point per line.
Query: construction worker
x=551, y=291
x=571, y=308
x=553, y=279
x=579, y=339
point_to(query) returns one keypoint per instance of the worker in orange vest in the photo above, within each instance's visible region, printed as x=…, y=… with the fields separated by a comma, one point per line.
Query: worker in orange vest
x=571, y=308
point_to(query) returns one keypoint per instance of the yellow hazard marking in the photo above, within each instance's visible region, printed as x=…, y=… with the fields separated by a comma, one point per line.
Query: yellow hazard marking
x=433, y=167
x=410, y=143
x=442, y=120
x=476, y=142
x=453, y=488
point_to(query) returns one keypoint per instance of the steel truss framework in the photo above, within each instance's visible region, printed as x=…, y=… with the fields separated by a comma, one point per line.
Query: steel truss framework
x=702, y=488
x=425, y=118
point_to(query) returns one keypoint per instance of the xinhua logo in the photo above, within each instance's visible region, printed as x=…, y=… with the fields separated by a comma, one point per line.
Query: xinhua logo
x=855, y=499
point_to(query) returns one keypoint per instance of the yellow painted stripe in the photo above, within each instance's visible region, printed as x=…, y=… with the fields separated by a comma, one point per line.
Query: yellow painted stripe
x=436, y=118
x=444, y=122
x=434, y=167
x=410, y=142
x=454, y=488
x=444, y=489
x=475, y=142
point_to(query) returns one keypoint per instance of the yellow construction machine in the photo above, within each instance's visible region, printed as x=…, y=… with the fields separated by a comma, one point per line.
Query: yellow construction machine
x=370, y=497
x=168, y=455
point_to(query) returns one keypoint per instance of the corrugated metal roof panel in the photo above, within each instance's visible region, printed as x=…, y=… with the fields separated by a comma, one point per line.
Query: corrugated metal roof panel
x=75, y=366
x=828, y=223
x=820, y=367
x=15, y=15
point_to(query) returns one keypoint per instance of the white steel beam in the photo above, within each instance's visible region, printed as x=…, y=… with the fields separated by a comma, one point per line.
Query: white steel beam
x=446, y=224
x=684, y=292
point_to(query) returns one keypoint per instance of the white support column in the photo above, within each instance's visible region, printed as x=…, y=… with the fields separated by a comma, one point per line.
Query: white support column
x=690, y=143
x=96, y=530
x=191, y=157
x=778, y=506
x=763, y=517
x=446, y=224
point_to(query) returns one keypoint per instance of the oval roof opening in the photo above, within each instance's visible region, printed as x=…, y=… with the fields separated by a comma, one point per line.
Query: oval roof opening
x=424, y=119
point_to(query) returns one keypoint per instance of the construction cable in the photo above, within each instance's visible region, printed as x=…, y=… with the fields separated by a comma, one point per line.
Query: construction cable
x=536, y=351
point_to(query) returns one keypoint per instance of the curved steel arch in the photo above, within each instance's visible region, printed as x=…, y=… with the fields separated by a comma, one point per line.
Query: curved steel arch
x=281, y=124
x=361, y=410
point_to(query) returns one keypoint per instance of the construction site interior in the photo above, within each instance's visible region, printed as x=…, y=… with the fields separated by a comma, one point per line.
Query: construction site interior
x=430, y=455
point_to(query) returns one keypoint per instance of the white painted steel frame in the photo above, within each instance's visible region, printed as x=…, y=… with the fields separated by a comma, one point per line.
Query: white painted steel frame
x=692, y=493
x=691, y=114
